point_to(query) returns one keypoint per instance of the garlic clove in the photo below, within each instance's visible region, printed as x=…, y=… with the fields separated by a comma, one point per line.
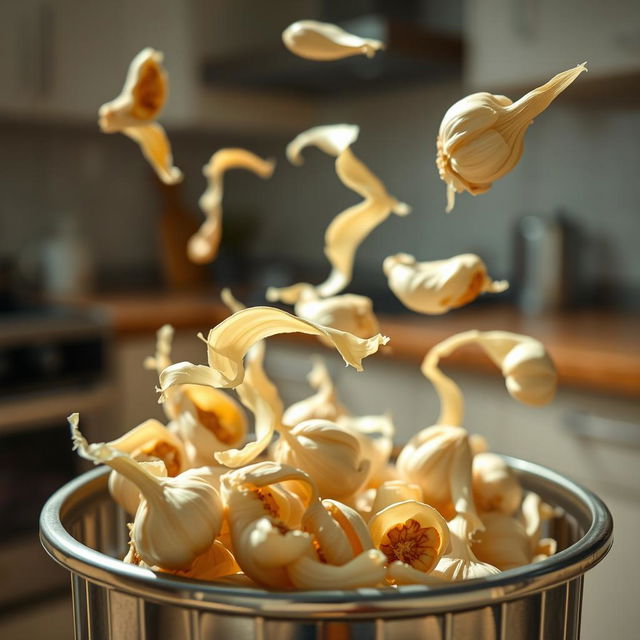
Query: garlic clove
x=545, y=549
x=437, y=286
x=151, y=439
x=142, y=97
x=394, y=491
x=155, y=147
x=125, y=492
x=323, y=405
x=481, y=137
x=401, y=573
x=323, y=41
x=503, y=543
x=214, y=563
x=178, y=518
x=203, y=245
x=495, y=486
x=329, y=454
x=410, y=532
x=533, y=512
x=228, y=343
x=333, y=139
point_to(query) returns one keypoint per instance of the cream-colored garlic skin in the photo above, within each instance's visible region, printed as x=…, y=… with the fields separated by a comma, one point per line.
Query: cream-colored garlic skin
x=347, y=312
x=228, y=343
x=481, y=137
x=503, y=543
x=322, y=405
x=324, y=41
x=134, y=111
x=328, y=453
x=495, y=486
x=333, y=139
x=178, y=518
x=125, y=492
x=437, y=286
x=203, y=245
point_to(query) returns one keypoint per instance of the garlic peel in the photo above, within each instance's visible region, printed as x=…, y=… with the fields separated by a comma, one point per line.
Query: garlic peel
x=333, y=139
x=325, y=41
x=155, y=147
x=437, y=286
x=203, y=245
x=228, y=343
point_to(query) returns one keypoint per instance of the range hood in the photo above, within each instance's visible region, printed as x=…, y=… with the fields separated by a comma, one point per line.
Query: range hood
x=415, y=52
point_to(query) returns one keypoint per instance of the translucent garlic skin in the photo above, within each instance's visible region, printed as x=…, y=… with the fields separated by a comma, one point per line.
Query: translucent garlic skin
x=436, y=287
x=495, y=486
x=347, y=312
x=481, y=137
x=322, y=41
x=328, y=453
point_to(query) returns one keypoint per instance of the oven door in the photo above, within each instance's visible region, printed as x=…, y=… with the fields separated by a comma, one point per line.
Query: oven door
x=36, y=458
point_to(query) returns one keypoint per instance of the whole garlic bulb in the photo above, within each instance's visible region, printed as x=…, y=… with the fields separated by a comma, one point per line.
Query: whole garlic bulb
x=495, y=486
x=437, y=286
x=325, y=41
x=178, y=518
x=328, y=453
x=481, y=137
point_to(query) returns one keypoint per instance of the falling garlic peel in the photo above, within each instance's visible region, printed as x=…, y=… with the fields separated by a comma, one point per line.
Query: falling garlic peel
x=203, y=245
x=322, y=41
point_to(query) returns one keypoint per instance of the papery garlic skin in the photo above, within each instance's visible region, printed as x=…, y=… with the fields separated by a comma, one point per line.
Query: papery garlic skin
x=393, y=491
x=333, y=139
x=495, y=485
x=203, y=245
x=324, y=41
x=178, y=518
x=134, y=111
x=347, y=312
x=329, y=454
x=437, y=286
x=481, y=137
x=410, y=532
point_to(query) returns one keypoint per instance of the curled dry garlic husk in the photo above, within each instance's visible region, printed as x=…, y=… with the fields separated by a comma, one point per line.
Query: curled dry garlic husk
x=437, y=286
x=203, y=245
x=410, y=532
x=134, y=112
x=481, y=137
x=227, y=345
x=178, y=518
x=530, y=375
x=325, y=41
x=348, y=229
x=495, y=486
x=206, y=419
x=322, y=405
x=274, y=554
x=331, y=456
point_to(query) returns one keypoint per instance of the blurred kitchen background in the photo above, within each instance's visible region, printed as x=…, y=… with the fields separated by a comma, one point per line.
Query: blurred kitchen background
x=92, y=245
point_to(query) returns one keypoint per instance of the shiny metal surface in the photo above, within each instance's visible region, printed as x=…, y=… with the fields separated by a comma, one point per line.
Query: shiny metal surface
x=84, y=531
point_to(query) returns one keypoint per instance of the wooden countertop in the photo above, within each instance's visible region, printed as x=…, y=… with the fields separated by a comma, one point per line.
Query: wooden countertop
x=597, y=350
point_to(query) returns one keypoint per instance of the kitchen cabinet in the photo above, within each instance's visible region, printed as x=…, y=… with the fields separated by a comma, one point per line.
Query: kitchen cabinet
x=61, y=60
x=514, y=43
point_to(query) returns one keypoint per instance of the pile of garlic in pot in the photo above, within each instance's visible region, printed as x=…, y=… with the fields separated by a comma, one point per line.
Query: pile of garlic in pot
x=313, y=499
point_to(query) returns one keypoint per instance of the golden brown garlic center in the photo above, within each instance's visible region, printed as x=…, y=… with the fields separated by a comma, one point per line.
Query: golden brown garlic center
x=149, y=92
x=411, y=543
x=268, y=502
x=164, y=451
x=210, y=421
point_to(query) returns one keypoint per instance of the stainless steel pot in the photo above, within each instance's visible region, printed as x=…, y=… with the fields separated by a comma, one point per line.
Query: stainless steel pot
x=82, y=529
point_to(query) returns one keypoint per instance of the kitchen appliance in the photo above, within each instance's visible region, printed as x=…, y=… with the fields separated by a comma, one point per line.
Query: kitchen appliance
x=53, y=360
x=84, y=530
